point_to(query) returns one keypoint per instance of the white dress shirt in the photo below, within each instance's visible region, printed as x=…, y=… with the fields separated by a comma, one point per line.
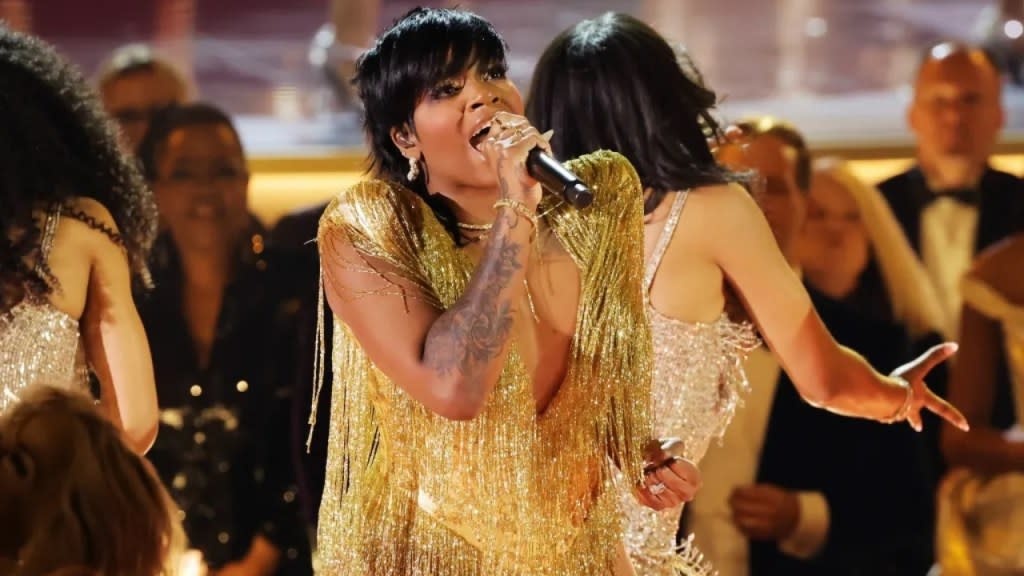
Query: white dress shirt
x=733, y=463
x=948, y=230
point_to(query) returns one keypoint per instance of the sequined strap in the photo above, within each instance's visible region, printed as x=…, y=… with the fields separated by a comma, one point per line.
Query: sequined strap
x=46, y=241
x=42, y=267
x=663, y=240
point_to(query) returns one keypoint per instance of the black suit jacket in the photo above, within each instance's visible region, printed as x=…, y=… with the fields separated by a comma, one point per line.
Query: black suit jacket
x=872, y=475
x=1000, y=210
x=1000, y=214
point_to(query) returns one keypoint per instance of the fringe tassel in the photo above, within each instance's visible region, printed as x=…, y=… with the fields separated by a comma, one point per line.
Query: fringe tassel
x=689, y=561
x=318, y=360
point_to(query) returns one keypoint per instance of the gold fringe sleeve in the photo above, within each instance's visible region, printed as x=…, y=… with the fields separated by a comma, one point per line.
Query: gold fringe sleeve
x=370, y=228
x=615, y=348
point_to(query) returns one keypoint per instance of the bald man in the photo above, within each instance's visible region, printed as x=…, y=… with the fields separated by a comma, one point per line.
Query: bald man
x=952, y=203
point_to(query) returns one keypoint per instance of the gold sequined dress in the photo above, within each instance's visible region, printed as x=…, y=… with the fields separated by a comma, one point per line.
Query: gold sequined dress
x=511, y=492
x=697, y=385
x=39, y=344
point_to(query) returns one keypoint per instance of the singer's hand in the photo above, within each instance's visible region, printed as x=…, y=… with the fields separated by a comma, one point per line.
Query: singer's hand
x=506, y=147
x=669, y=478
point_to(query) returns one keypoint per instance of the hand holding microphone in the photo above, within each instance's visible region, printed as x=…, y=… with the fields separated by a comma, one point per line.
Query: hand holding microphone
x=512, y=142
x=553, y=176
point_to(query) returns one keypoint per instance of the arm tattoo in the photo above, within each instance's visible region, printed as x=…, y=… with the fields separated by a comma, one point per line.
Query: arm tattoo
x=502, y=182
x=473, y=332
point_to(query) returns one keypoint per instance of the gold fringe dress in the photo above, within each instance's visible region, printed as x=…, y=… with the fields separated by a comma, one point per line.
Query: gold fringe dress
x=511, y=492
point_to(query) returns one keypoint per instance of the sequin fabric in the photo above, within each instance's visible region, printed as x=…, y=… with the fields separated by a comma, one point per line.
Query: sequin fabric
x=39, y=344
x=510, y=492
x=698, y=383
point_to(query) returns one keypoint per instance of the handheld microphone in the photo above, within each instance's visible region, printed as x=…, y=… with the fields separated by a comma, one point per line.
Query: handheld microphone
x=553, y=176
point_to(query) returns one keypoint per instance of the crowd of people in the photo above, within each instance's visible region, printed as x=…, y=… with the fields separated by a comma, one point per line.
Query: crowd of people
x=736, y=360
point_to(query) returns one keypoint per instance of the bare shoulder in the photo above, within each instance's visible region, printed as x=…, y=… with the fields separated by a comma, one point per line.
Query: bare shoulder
x=723, y=194
x=722, y=208
x=372, y=208
x=88, y=225
x=92, y=209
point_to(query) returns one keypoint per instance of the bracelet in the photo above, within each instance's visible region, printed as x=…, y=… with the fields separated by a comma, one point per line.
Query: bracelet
x=904, y=409
x=519, y=208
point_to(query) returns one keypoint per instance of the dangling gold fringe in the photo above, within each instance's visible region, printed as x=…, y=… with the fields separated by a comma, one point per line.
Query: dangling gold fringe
x=690, y=561
x=511, y=493
x=318, y=360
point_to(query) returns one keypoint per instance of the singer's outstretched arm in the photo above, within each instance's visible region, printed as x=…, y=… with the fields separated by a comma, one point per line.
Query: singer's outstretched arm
x=826, y=374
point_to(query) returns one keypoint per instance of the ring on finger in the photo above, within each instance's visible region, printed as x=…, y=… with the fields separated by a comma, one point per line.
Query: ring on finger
x=657, y=489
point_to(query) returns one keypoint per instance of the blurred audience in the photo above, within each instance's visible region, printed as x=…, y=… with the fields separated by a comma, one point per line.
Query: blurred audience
x=792, y=489
x=134, y=82
x=853, y=251
x=982, y=499
x=220, y=352
x=952, y=204
x=74, y=498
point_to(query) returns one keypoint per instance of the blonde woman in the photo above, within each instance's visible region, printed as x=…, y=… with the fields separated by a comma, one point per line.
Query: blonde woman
x=853, y=250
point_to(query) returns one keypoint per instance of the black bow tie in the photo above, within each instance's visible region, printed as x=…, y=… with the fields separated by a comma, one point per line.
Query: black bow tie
x=967, y=196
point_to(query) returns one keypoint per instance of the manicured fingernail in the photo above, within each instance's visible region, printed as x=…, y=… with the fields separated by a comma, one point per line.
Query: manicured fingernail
x=547, y=135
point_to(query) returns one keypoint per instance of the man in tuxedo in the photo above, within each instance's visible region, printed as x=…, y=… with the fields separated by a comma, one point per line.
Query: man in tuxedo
x=793, y=489
x=952, y=204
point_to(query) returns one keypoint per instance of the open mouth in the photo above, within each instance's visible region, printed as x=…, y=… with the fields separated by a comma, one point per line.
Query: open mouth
x=479, y=136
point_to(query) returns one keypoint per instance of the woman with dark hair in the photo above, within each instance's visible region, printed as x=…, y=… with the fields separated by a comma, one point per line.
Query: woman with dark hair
x=491, y=355
x=219, y=351
x=614, y=83
x=77, y=223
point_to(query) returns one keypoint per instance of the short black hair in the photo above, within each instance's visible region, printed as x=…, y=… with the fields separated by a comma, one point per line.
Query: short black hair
x=168, y=120
x=613, y=82
x=421, y=49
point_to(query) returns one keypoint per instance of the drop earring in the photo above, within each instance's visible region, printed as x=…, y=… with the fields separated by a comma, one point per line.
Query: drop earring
x=414, y=169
